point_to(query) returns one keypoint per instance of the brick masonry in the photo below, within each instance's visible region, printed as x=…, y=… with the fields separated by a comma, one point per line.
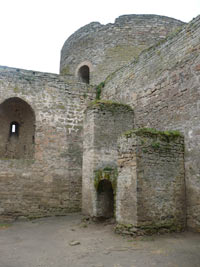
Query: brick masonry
x=163, y=88
x=105, y=48
x=160, y=83
x=49, y=182
x=103, y=123
x=150, y=193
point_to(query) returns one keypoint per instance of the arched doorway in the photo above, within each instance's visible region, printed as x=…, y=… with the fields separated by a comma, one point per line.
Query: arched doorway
x=105, y=199
x=84, y=74
x=17, y=120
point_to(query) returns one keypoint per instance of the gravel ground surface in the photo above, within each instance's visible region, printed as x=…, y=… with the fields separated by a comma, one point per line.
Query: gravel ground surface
x=70, y=242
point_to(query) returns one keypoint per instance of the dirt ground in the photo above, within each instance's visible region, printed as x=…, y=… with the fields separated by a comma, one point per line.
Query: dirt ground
x=49, y=242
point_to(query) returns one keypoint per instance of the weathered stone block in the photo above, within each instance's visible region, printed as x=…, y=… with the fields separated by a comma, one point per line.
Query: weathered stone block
x=103, y=123
x=150, y=194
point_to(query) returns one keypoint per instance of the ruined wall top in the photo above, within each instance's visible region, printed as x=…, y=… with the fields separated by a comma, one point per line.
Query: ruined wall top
x=176, y=50
x=105, y=48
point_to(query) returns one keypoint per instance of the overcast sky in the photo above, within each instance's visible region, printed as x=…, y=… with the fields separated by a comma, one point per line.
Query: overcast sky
x=33, y=31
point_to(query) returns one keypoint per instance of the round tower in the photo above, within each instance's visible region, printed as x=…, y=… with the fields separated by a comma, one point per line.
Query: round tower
x=95, y=50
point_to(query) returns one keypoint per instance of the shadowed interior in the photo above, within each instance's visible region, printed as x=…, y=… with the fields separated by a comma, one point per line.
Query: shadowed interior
x=105, y=199
x=84, y=74
x=17, y=120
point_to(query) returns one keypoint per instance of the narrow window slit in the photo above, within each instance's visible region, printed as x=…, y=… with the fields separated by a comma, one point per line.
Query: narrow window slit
x=14, y=129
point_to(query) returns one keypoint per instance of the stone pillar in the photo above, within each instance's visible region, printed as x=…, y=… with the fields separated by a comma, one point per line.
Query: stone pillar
x=150, y=192
x=104, y=122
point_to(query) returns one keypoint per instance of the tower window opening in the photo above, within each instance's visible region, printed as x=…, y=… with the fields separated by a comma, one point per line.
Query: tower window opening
x=84, y=74
x=14, y=128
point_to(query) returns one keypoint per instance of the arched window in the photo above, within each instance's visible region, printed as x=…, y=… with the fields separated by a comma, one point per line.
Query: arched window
x=17, y=120
x=84, y=74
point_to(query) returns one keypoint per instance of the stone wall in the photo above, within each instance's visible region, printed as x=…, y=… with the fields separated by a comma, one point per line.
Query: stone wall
x=150, y=193
x=105, y=48
x=103, y=123
x=163, y=87
x=47, y=182
x=41, y=162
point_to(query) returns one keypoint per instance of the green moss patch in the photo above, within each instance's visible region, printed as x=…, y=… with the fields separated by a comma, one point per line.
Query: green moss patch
x=108, y=173
x=4, y=226
x=60, y=106
x=66, y=71
x=99, y=89
x=16, y=90
x=108, y=105
x=129, y=229
x=151, y=132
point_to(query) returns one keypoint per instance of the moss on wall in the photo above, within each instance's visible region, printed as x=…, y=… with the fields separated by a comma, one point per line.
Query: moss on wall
x=66, y=71
x=108, y=105
x=108, y=173
x=130, y=229
x=99, y=89
x=153, y=132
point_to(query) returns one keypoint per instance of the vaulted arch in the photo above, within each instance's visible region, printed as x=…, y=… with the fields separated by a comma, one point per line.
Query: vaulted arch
x=17, y=135
x=84, y=74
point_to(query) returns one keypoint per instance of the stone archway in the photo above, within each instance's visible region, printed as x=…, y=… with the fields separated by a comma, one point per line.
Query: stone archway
x=105, y=199
x=17, y=135
x=84, y=74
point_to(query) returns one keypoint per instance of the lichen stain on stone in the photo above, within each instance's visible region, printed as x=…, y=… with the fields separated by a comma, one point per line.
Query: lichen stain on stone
x=108, y=173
